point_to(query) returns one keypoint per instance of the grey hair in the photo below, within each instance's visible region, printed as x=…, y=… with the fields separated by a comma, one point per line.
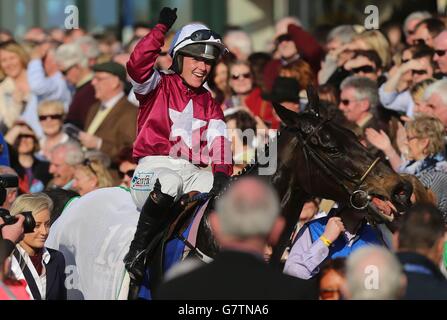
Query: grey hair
x=345, y=33
x=439, y=87
x=89, y=46
x=365, y=88
x=421, y=15
x=243, y=218
x=239, y=39
x=99, y=156
x=373, y=273
x=72, y=151
x=71, y=54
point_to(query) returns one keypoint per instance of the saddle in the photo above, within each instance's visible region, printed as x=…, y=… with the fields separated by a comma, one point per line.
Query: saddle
x=186, y=207
x=189, y=205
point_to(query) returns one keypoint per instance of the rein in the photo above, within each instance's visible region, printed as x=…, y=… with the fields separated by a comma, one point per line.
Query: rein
x=327, y=166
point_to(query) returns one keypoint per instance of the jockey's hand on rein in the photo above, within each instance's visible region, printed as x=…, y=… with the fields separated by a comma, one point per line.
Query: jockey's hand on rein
x=220, y=182
x=167, y=16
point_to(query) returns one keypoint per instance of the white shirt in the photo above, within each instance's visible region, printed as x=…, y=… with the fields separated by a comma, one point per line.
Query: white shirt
x=41, y=281
x=111, y=102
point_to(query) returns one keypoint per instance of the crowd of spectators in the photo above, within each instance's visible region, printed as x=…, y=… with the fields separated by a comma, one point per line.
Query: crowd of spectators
x=68, y=119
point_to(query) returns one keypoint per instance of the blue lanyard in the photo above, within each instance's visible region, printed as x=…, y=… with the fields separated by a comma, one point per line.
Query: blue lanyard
x=409, y=267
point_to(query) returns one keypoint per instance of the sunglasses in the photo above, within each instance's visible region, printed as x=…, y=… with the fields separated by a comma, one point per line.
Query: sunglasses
x=239, y=76
x=327, y=294
x=50, y=116
x=128, y=173
x=346, y=102
x=440, y=52
x=88, y=163
x=284, y=37
x=418, y=42
x=201, y=35
x=66, y=71
x=419, y=72
x=364, y=69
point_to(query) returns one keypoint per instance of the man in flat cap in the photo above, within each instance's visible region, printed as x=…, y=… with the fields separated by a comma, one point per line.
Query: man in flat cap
x=110, y=124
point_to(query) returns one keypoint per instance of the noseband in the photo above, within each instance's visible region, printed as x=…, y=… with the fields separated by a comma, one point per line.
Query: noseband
x=358, y=198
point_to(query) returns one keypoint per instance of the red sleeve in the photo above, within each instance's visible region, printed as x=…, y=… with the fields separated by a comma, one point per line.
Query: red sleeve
x=218, y=143
x=224, y=146
x=271, y=72
x=142, y=60
x=307, y=46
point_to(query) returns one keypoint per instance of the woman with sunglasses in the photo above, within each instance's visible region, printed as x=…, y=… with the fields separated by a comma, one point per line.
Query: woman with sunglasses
x=126, y=166
x=422, y=154
x=246, y=94
x=51, y=116
x=180, y=127
x=33, y=173
x=91, y=175
x=420, y=67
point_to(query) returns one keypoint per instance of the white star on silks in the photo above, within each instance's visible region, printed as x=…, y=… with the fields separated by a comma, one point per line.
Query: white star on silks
x=184, y=123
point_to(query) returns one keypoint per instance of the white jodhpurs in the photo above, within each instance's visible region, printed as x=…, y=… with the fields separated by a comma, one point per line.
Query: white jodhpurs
x=176, y=176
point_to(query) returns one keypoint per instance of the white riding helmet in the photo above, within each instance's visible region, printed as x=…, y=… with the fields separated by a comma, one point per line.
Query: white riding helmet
x=196, y=40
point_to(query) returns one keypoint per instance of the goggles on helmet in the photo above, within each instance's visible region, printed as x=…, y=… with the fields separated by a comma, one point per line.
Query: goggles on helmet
x=200, y=35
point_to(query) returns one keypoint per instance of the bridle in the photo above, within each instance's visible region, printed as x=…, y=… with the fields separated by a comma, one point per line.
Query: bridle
x=358, y=198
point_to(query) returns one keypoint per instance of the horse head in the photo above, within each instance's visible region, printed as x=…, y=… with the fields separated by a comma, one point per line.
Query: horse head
x=335, y=165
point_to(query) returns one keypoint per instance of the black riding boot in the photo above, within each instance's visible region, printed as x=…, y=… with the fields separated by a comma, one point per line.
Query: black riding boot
x=153, y=215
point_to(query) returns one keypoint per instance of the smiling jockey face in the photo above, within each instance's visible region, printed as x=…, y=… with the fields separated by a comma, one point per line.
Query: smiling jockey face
x=195, y=50
x=195, y=71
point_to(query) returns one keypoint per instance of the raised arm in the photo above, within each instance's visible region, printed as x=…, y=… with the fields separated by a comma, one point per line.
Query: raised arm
x=381, y=141
x=140, y=66
x=307, y=45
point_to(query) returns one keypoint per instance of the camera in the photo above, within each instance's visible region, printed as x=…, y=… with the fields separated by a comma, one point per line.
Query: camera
x=72, y=131
x=28, y=224
x=12, y=181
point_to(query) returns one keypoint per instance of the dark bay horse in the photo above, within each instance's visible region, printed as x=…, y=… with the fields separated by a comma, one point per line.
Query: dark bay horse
x=317, y=158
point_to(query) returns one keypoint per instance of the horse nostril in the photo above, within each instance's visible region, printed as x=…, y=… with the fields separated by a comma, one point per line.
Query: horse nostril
x=402, y=193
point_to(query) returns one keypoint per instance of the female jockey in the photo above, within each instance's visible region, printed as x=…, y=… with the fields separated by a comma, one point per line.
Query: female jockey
x=180, y=128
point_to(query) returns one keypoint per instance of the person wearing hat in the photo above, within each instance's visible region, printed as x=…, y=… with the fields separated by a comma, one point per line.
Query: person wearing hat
x=110, y=125
x=180, y=128
x=286, y=92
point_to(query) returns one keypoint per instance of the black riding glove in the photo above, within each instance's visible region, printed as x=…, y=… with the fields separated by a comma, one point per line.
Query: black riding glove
x=167, y=16
x=220, y=182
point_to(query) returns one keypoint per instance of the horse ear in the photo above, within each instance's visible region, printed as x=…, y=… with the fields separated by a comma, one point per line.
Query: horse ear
x=287, y=116
x=314, y=101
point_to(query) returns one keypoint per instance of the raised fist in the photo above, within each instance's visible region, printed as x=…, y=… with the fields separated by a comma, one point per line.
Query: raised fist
x=333, y=229
x=168, y=16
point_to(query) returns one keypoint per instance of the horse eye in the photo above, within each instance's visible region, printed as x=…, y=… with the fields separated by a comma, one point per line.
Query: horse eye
x=306, y=128
x=327, y=142
x=325, y=138
x=349, y=172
